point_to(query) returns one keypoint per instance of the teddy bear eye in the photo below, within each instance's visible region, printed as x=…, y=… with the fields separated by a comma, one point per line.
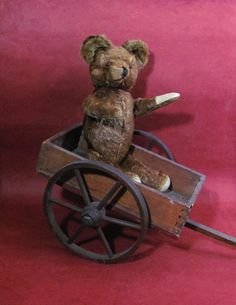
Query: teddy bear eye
x=107, y=64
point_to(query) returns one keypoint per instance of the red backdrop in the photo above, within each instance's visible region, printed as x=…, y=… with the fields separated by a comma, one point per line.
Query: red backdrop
x=43, y=83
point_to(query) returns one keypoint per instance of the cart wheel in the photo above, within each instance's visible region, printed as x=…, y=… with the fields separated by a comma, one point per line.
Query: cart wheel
x=153, y=141
x=96, y=229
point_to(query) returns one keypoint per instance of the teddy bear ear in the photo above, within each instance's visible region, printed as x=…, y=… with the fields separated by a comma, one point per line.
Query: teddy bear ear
x=139, y=49
x=92, y=45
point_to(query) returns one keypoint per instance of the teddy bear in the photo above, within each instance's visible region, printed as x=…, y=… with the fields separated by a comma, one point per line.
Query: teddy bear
x=109, y=112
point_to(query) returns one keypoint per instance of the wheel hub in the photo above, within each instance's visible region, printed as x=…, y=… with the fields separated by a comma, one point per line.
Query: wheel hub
x=91, y=216
x=87, y=220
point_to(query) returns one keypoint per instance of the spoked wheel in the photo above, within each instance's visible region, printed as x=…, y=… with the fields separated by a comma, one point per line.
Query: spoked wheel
x=152, y=142
x=93, y=224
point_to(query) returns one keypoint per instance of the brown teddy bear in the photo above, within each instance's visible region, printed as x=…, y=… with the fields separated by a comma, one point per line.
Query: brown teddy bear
x=110, y=111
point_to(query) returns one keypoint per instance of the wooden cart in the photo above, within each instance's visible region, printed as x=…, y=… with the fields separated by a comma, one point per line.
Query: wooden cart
x=107, y=215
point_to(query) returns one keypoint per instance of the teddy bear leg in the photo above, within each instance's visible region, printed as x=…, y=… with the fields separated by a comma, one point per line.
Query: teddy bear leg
x=94, y=155
x=153, y=178
x=132, y=175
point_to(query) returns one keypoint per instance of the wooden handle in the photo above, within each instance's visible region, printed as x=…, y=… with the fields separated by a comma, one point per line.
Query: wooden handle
x=193, y=225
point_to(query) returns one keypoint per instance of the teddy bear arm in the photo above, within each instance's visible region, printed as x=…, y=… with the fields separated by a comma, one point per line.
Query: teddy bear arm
x=91, y=107
x=143, y=106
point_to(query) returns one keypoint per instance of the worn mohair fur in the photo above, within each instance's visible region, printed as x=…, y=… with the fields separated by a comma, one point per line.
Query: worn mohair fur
x=110, y=110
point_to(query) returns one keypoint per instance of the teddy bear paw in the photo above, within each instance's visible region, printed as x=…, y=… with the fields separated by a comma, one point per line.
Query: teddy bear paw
x=165, y=99
x=165, y=184
x=134, y=177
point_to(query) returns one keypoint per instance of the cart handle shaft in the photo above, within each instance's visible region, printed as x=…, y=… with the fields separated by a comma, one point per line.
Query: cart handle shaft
x=193, y=225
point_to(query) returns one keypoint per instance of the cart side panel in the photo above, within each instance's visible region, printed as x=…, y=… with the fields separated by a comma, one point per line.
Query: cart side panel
x=166, y=214
x=52, y=158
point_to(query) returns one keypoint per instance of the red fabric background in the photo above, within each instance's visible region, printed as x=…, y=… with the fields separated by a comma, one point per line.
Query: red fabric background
x=44, y=81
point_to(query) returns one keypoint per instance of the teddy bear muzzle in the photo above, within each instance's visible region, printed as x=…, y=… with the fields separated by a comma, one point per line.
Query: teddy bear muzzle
x=118, y=73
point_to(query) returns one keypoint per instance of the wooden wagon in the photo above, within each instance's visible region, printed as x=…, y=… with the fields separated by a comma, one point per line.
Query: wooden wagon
x=107, y=215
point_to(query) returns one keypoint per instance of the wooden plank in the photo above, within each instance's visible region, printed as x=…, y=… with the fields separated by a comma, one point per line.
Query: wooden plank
x=52, y=158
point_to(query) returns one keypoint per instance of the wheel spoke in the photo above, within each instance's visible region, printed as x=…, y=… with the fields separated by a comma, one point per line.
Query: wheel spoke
x=83, y=187
x=122, y=222
x=65, y=221
x=117, y=197
x=76, y=234
x=66, y=205
x=150, y=145
x=85, y=241
x=105, y=241
x=116, y=187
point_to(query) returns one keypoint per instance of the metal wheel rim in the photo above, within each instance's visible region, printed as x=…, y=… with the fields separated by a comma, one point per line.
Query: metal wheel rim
x=118, y=176
x=154, y=141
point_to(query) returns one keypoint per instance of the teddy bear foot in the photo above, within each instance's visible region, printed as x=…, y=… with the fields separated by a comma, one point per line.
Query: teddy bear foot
x=157, y=180
x=141, y=173
x=162, y=184
x=166, y=183
x=134, y=177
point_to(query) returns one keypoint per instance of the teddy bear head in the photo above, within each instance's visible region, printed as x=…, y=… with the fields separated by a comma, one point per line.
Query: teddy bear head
x=114, y=66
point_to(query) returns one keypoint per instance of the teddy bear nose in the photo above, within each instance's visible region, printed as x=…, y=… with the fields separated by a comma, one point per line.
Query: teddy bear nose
x=125, y=72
